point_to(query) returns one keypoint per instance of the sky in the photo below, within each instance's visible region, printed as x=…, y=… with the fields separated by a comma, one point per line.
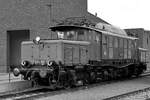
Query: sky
x=122, y=13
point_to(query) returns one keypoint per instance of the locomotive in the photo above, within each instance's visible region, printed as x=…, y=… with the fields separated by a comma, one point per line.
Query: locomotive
x=81, y=54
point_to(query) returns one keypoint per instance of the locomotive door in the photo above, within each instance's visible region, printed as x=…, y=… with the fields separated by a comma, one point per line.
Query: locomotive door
x=68, y=54
x=36, y=53
x=97, y=46
x=83, y=54
x=100, y=46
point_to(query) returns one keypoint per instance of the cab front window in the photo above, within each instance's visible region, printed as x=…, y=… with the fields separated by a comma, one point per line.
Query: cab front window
x=70, y=35
x=60, y=35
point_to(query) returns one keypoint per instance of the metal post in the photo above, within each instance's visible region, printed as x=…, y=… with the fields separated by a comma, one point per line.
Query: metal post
x=9, y=73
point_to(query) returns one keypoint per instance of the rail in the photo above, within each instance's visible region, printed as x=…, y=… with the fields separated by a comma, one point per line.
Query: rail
x=119, y=97
x=45, y=91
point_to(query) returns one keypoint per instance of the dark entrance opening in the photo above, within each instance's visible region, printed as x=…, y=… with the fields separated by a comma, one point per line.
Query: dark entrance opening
x=15, y=37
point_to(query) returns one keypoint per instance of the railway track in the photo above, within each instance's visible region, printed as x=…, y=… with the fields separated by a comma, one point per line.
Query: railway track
x=45, y=91
x=132, y=93
x=24, y=93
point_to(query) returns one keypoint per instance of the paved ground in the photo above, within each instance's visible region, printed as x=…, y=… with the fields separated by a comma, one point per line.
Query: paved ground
x=103, y=91
x=8, y=82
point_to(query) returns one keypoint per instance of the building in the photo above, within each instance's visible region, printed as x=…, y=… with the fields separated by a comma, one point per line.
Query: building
x=144, y=39
x=25, y=19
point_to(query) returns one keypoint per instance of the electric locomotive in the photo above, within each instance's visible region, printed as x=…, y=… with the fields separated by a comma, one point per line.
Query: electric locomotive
x=81, y=54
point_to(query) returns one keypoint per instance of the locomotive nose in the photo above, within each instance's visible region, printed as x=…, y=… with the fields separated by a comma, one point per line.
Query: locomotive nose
x=16, y=72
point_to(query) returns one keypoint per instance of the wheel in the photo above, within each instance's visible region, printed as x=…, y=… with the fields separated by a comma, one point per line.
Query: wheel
x=114, y=74
x=52, y=82
x=138, y=71
x=92, y=77
x=34, y=79
x=72, y=78
x=111, y=73
x=86, y=80
x=105, y=75
x=126, y=72
x=34, y=82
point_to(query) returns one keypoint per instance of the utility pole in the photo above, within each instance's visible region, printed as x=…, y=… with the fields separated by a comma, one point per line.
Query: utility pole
x=50, y=14
x=50, y=11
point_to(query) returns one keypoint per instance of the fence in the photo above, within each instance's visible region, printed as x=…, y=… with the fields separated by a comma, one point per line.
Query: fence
x=8, y=77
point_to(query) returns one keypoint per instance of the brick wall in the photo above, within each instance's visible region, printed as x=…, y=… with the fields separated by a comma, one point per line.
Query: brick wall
x=138, y=32
x=34, y=15
x=144, y=39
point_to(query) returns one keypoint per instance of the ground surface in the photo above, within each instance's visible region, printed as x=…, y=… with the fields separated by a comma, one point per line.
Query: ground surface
x=8, y=82
x=103, y=91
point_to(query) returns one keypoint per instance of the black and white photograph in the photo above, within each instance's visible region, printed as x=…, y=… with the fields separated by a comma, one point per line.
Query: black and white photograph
x=74, y=50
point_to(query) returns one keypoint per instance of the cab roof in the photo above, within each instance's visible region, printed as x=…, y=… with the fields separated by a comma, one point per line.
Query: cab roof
x=103, y=31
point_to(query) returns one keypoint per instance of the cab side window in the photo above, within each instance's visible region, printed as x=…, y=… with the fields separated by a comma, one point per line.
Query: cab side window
x=129, y=49
x=110, y=47
x=104, y=47
x=121, y=48
x=71, y=35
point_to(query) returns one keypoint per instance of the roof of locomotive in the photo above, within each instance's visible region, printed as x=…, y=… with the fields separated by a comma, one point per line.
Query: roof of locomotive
x=103, y=31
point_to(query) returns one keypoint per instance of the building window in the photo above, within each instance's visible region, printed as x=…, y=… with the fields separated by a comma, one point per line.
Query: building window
x=104, y=46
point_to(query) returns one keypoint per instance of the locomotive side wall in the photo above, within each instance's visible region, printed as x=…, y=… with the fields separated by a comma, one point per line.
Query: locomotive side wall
x=75, y=54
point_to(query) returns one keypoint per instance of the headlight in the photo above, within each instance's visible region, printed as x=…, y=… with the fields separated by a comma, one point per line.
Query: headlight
x=49, y=63
x=16, y=72
x=37, y=39
x=25, y=63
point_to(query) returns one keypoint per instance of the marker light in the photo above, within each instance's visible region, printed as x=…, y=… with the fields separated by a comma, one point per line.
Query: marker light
x=37, y=39
x=16, y=72
x=49, y=63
